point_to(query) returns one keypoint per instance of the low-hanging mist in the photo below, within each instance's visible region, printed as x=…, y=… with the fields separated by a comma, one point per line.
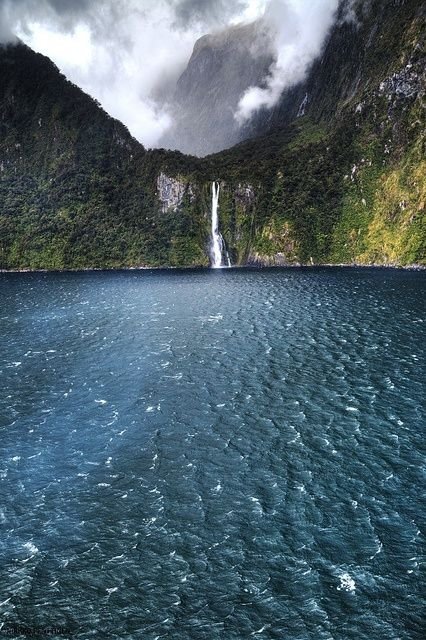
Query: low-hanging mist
x=128, y=54
x=299, y=28
x=342, y=184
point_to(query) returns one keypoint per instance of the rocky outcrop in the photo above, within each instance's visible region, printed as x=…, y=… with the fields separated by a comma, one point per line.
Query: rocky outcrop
x=408, y=82
x=171, y=192
x=244, y=194
x=276, y=260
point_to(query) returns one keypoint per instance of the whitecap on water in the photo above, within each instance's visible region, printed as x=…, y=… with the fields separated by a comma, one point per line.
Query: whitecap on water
x=178, y=376
x=30, y=546
x=257, y=505
x=347, y=583
x=389, y=383
x=111, y=590
x=218, y=487
x=378, y=549
x=154, y=490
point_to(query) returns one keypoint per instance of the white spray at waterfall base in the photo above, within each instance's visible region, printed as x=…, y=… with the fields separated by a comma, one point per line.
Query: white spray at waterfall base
x=217, y=247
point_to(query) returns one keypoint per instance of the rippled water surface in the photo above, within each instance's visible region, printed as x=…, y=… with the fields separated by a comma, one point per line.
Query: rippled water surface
x=213, y=454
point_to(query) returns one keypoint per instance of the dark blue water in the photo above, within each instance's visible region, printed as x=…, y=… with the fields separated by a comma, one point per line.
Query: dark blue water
x=213, y=454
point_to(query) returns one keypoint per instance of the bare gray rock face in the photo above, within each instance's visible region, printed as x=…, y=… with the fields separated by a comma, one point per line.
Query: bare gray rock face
x=171, y=192
x=222, y=67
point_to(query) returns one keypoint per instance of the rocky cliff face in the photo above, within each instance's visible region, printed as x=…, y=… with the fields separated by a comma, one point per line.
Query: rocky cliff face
x=342, y=155
x=171, y=192
x=221, y=68
x=363, y=50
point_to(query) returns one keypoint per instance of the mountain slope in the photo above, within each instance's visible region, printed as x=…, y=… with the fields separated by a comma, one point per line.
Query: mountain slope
x=337, y=178
x=221, y=68
x=76, y=190
x=341, y=159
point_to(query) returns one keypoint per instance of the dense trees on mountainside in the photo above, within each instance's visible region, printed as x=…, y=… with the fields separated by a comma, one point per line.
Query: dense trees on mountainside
x=343, y=183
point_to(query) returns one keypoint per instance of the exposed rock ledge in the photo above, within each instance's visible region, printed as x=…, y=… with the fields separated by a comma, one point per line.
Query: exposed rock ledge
x=275, y=260
x=171, y=192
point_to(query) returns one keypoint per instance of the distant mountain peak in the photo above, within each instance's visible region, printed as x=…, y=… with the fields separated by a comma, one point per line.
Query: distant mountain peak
x=223, y=65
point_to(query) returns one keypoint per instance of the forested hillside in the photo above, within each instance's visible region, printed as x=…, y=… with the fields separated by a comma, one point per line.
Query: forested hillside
x=333, y=174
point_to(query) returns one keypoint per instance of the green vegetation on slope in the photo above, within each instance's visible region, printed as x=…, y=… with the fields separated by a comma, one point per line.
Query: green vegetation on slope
x=344, y=183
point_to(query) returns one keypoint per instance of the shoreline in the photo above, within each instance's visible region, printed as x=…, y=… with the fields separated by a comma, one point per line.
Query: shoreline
x=409, y=267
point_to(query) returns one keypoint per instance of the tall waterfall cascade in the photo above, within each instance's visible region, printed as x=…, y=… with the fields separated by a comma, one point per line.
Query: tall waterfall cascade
x=217, y=247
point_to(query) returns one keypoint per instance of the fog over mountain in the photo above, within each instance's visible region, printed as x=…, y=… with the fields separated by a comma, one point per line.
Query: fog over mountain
x=333, y=173
x=138, y=58
x=235, y=73
x=223, y=66
x=298, y=30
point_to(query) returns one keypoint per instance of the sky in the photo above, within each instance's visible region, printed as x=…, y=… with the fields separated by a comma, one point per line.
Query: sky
x=122, y=51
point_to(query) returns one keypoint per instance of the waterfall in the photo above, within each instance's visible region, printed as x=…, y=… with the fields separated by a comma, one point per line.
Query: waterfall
x=217, y=248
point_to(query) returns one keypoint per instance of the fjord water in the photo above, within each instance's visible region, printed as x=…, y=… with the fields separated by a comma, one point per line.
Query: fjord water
x=213, y=454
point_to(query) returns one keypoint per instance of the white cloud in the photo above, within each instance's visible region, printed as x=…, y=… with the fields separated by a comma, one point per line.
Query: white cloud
x=120, y=51
x=254, y=9
x=120, y=69
x=74, y=49
x=300, y=28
